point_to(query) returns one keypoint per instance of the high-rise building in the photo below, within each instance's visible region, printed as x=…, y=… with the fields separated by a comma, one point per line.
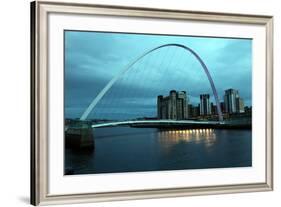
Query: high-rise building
x=240, y=105
x=230, y=103
x=205, y=106
x=160, y=107
x=190, y=110
x=182, y=105
x=174, y=106
x=222, y=107
x=214, y=109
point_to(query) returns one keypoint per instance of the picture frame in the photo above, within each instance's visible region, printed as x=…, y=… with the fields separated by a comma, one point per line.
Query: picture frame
x=42, y=177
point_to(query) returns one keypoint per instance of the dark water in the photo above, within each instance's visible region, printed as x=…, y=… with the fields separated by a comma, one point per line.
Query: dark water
x=125, y=149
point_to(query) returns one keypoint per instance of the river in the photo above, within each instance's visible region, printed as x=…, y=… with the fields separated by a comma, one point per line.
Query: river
x=125, y=149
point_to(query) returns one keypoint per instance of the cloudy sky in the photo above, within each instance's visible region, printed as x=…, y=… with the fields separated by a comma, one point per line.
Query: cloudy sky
x=92, y=59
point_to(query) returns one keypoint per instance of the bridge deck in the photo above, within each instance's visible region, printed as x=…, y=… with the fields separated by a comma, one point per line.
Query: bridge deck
x=156, y=122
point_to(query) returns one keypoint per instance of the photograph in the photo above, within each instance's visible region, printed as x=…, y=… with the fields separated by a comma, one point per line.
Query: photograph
x=139, y=102
x=145, y=102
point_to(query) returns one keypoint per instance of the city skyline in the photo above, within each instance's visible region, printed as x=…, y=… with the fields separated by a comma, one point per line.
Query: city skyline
x=176, y=105
x=93, y=58
x=211, y=104
x=203, y=110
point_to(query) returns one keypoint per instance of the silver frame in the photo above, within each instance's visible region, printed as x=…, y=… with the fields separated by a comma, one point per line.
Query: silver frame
x=39, y=100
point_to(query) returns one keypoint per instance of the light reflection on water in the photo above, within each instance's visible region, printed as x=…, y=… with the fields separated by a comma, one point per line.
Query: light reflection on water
x=172, y=137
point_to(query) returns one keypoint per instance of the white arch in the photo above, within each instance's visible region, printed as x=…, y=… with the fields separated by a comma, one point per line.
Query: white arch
x=129, y=66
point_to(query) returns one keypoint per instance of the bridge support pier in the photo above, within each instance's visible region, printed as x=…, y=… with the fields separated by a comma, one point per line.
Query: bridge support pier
x=79, y=136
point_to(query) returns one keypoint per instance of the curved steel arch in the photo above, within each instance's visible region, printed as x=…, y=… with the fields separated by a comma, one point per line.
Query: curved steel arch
x=128, y=67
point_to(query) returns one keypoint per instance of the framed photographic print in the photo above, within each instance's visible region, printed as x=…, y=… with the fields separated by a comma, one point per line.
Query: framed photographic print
x=133, y=103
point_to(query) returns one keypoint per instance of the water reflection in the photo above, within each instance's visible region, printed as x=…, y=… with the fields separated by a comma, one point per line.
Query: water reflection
x=175, y=136
x=128, y=149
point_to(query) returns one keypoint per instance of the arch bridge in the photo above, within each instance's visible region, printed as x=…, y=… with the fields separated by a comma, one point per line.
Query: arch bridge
x=129, y=66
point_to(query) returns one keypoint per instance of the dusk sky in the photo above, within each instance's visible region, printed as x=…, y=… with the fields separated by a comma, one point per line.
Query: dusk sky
x=92, y=59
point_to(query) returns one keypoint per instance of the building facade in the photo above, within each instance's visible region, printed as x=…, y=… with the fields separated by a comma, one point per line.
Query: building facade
x=240, y=105
x=222, y=105
x=230, y=96
x=232, y=102
x=214, y=109
x=174, y=106
x=205, y=106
